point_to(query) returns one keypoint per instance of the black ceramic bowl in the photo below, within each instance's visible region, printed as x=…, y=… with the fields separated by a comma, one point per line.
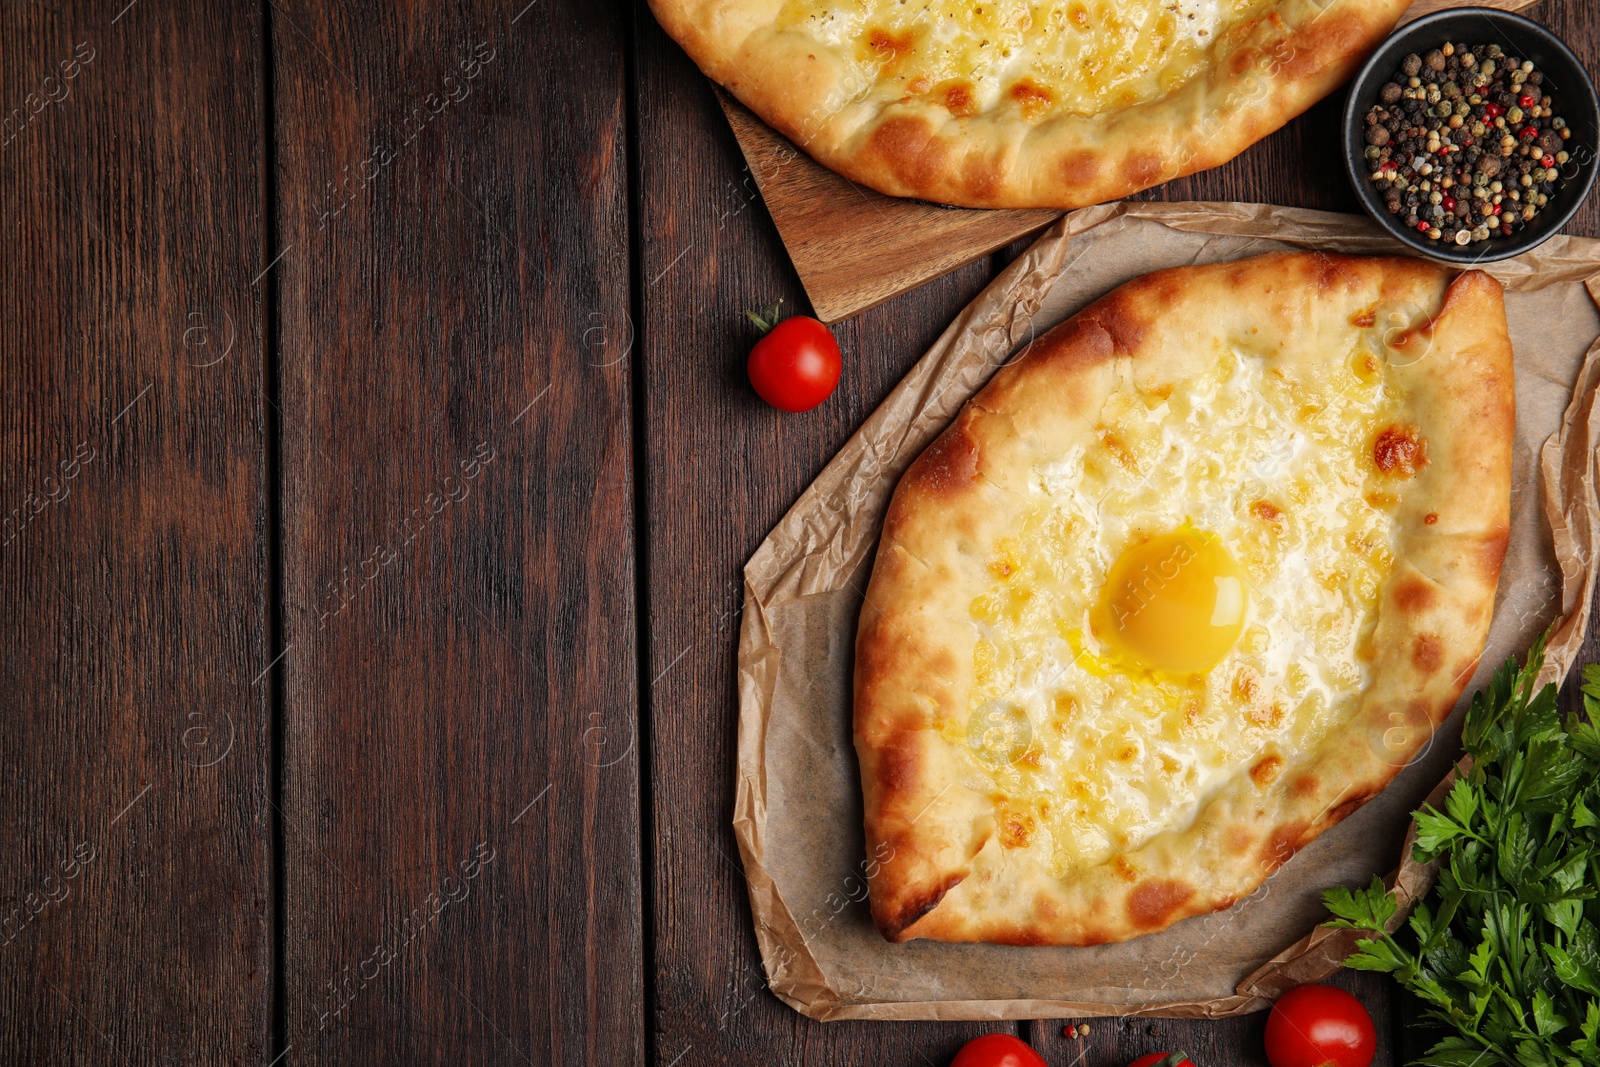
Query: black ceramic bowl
x=1565, y=81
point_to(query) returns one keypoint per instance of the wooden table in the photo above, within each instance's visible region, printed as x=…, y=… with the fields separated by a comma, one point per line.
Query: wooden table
x=378, y=471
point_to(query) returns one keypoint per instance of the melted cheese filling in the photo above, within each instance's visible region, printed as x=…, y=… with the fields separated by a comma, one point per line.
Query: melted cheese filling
x=1087, y=750
x=1074, y=56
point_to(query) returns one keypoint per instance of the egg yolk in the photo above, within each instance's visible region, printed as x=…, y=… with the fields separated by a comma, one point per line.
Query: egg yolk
x=1175, y=603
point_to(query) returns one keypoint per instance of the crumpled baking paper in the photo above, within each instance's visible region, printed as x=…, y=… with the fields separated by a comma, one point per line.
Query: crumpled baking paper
x=798, y=815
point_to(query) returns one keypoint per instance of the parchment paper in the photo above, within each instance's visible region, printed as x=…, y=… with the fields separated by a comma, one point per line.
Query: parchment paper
x=798, y=807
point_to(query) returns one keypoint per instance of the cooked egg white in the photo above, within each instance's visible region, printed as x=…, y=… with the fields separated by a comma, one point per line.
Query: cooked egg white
x=1184, y=595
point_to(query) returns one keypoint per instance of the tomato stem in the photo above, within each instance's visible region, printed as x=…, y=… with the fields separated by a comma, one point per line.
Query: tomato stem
x=767, y=317
x=1174, y=1060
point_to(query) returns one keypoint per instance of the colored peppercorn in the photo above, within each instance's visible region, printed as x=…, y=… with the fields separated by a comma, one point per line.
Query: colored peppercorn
x=1463, y=144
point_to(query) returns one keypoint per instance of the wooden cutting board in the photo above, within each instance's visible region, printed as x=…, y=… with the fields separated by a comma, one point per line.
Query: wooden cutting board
x=855, y=248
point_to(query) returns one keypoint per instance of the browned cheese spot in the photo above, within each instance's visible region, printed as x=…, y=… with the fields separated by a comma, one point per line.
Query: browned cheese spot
x=1033, y=99
x=1399, y=450
x=1259, y=706
x=1430, y=518
x=1119, y=451
x=959, y=101
x=891, y=48
x=1125, y=870
x=1366, y=319
x=1067, y=708
x=1247, y=685
x=1016, y=828
x=1266, y=771
x=1268, y=512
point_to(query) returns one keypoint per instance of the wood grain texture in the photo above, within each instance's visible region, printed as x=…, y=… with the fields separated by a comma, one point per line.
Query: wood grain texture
x=854, y=248
x=461, y=805
x=135, y=881
x=721, y=468
x=460, y=783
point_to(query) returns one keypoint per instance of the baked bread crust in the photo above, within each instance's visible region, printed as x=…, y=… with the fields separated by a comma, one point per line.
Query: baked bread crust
x=865, y=124
x=947, y=877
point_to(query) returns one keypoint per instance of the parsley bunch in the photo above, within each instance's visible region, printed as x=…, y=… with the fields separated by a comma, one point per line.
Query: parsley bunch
x=1506, y=949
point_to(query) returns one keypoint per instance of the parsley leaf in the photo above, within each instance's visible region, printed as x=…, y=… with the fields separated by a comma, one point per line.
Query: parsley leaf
x=1506, y=949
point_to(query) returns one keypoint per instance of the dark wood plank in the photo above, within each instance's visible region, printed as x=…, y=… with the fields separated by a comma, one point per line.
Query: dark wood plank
x=135, y=882
x=721, y=470
x=461, y=776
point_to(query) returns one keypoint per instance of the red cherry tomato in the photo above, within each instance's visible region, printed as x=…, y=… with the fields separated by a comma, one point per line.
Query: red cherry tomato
x=997, y=1050
x=1320, y=1026
x=1160, y=1059
x=796, y=365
